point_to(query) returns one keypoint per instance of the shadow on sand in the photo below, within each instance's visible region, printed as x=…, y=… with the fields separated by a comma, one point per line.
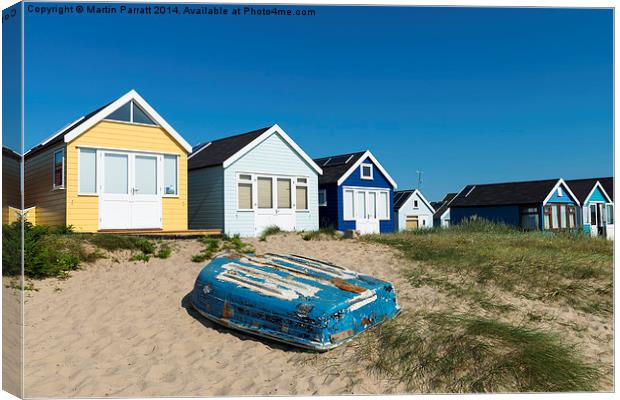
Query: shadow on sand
x=186, y=303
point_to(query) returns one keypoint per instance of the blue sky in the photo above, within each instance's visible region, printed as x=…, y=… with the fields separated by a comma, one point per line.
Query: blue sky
x=466, y=95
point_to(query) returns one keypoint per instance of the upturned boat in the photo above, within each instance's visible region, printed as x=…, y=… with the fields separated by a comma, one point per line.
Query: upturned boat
x=291, y=298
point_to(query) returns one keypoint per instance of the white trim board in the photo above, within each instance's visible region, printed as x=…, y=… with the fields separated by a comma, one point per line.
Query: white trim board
x=414, y=191
x=263, y=137
x=555, y=188
x=359, y=161
x=103, y=113
x=598, y=184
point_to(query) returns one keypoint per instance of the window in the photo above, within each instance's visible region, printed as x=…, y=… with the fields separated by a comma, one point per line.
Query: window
x=547, y=214
x=87, y=166
x=265, y=192
x=415, y=204
x=59, y=170
x=372, y=205
x=322, y=197
x=593, y=214
x=572, y=216
x=116, y=173
x=361, y=205
x=170, y=175
x=301, y=194
x=349, y=207
x=366, y=171
x=530, y=218
x=560, y=193
x=586, y=215
x=563, y=221
x=244, y=192
x=383, y=206
x=554, y=217
x=131, y=112
x=610, y=214
x=284, y=193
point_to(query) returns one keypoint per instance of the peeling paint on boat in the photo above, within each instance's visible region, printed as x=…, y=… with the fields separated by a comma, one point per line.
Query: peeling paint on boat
x=292, y=298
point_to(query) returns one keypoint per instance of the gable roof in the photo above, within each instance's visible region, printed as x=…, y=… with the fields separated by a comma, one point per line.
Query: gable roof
x=227, y=150
x=401, y=197
x=508, y=193
x=336, y=169
x=82, y=124
x=444, y=205
x=583, y=188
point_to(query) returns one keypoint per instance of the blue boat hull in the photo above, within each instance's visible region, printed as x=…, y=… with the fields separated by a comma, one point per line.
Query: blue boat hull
x=292, y=299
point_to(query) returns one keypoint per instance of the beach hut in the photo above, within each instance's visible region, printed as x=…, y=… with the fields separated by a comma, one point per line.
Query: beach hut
x=412, y=210
x=441, y=218
x=245, y=183
x=355, y=193
x=11, y=184
x=543, y=205
x=121, y=167
x=597, y=205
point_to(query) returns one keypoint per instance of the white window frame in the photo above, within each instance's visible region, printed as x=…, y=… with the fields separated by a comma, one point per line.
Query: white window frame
x=356, y=190
x=372, y=171
x=131, y=121
x=324, y=203
x=560, y=191
x=344, y=214
x=416, y=204
x=252, y=182
x=62, y=185
x=294, y=196
x=164, y=174
x=79, y=169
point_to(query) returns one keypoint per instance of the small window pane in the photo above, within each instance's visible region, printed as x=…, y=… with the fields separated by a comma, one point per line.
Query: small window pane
x=554, y=217
x=302, y=197
x=59, y=175
x=284, y=193
x=116, y=173
x=322, y=197
x=361, y=205
x=349, y=208
x=88, y=171
x=122, y=114
x=244, y=177
x=140, y=116
x=610, y=214
x=563, y=216
x=593, y=220
x=366, y=171
x=265, y=198
x=145, y=175
x=302, y=180
x=372, y=205
x=383, y=205
x=170, y=174
x=244, y=196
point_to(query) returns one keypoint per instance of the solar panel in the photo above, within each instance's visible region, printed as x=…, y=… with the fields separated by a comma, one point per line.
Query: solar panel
x=338, y=160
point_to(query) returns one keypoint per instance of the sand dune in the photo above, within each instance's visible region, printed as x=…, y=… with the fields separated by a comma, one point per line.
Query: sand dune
x=123, y=329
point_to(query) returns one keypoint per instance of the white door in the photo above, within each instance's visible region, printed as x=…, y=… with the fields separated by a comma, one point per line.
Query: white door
x=274, y=204
x=131, y=193
x=366, y=220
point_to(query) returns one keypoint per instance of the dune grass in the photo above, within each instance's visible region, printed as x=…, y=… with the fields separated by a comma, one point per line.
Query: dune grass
x=569, y=268
x=270, y=231
x=327, y=233
x=451, y=353
x=212, y=245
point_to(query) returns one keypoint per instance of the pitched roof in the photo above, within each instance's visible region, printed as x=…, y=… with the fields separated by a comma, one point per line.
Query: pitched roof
x=443, y=205
x=401, y=197
x=336, y=166
x=608, y=185
x=581, y=188
x=507, y=193
x=217, y=151
x=82, y=124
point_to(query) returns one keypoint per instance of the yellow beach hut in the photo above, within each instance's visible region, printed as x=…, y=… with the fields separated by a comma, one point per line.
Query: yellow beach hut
x=121, y=167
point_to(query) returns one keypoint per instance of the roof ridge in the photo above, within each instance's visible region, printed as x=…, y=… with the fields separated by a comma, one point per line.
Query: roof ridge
x=239, y=134
x=513, y=182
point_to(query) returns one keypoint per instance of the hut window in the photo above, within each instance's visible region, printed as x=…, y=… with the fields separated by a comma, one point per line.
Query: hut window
x=301, y=193
x=572, y=217
x=563, y=223
x=59, y=170
x=87, y=170
x=383, y=205
x=349, y=206
x=415, y=204
x=265, y=192
x=284, y=193
x=529, y=218
x=244, y=192
x=610, y=214
x=366, y=171
x=171, y=175
x=131, y=112
x=322, y=197
x=547, y=217
x=593, y=220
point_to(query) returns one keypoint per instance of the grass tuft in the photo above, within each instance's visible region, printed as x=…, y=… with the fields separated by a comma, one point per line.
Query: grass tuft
x=164, y=251
x=270, y=231
x=328, y=233
x=442, y=352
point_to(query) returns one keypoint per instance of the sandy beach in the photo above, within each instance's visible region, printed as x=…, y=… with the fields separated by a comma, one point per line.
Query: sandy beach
x=121, y=328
